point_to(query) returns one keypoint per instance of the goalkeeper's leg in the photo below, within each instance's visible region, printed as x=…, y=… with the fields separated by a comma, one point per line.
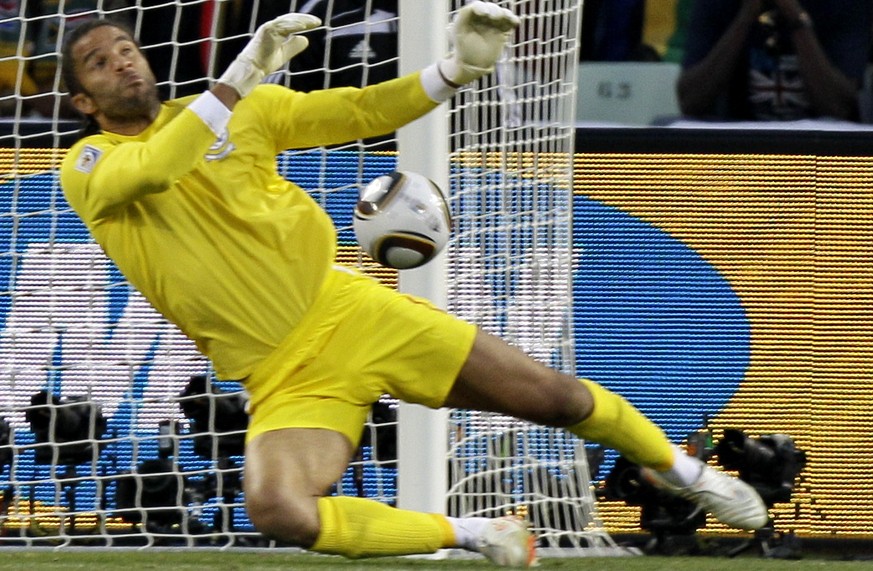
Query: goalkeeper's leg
x=500, y=378
x=288, y=471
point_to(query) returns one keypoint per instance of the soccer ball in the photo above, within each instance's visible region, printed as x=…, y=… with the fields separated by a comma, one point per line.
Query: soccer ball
x=402, y=220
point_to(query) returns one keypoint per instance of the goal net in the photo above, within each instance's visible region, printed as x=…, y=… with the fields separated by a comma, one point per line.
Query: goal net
x=113, y=430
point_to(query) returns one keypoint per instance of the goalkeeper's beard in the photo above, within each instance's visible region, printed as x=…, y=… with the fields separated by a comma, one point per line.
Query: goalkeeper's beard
x=131, y=103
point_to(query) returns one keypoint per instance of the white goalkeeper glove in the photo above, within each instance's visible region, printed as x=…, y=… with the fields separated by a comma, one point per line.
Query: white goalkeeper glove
x=478, y=34
x=273, y=45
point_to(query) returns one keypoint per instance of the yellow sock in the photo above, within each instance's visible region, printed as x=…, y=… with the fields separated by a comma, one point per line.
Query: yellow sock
x=355, y=527
x=615, y=423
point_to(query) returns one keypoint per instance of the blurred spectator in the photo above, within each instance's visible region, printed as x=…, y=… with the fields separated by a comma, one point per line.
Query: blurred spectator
x=612, y=31
x=665, y=24
x=175, y=39
x=15, y=47
x=634, y=30
x=775, y=59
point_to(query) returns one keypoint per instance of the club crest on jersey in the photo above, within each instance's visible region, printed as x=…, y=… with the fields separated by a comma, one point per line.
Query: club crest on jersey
x=221, y=147
x=88, y=158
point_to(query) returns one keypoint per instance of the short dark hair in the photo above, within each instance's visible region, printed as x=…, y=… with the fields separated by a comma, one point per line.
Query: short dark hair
x=68, y=66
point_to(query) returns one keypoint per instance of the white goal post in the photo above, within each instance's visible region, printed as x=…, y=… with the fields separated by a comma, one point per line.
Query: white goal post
x=114, y=431
x=422, y=446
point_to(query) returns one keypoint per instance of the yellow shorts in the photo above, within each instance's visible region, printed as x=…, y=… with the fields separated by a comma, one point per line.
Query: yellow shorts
x=359, y=341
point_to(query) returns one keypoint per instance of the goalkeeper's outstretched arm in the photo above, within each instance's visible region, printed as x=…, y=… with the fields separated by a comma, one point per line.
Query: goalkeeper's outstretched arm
x=478, y=35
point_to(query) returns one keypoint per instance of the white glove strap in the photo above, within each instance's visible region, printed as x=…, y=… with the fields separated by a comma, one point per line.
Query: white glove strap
x=212, y=112
x=437, y=87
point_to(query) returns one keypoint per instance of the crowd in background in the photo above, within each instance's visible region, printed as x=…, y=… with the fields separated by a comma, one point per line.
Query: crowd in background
x=740, y=59
x=762, y=60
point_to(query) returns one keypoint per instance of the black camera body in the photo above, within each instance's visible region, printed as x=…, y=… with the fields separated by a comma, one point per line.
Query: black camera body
x=218, y=419
x=769, y=464
x=68, y=428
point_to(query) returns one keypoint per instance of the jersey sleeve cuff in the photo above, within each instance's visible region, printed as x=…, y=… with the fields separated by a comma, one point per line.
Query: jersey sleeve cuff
x=211, y=111
x=438, y=89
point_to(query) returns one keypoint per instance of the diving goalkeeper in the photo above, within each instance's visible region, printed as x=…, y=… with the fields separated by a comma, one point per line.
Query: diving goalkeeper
x=185, y=197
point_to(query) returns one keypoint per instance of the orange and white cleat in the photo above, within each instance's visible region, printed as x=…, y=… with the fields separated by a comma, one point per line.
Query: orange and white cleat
x=508, y=542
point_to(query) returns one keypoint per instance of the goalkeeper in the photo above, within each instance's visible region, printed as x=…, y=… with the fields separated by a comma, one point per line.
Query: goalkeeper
x=185, y=197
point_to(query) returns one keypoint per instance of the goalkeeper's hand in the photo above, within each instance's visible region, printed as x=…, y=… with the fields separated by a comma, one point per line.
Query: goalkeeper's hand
x=273, y=44
x=478, y=34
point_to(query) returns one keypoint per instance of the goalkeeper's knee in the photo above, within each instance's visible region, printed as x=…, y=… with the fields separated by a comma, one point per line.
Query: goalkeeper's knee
x=285, y=517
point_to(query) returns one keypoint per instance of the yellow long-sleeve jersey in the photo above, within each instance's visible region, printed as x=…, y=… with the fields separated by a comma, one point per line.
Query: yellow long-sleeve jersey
x=207, y=230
